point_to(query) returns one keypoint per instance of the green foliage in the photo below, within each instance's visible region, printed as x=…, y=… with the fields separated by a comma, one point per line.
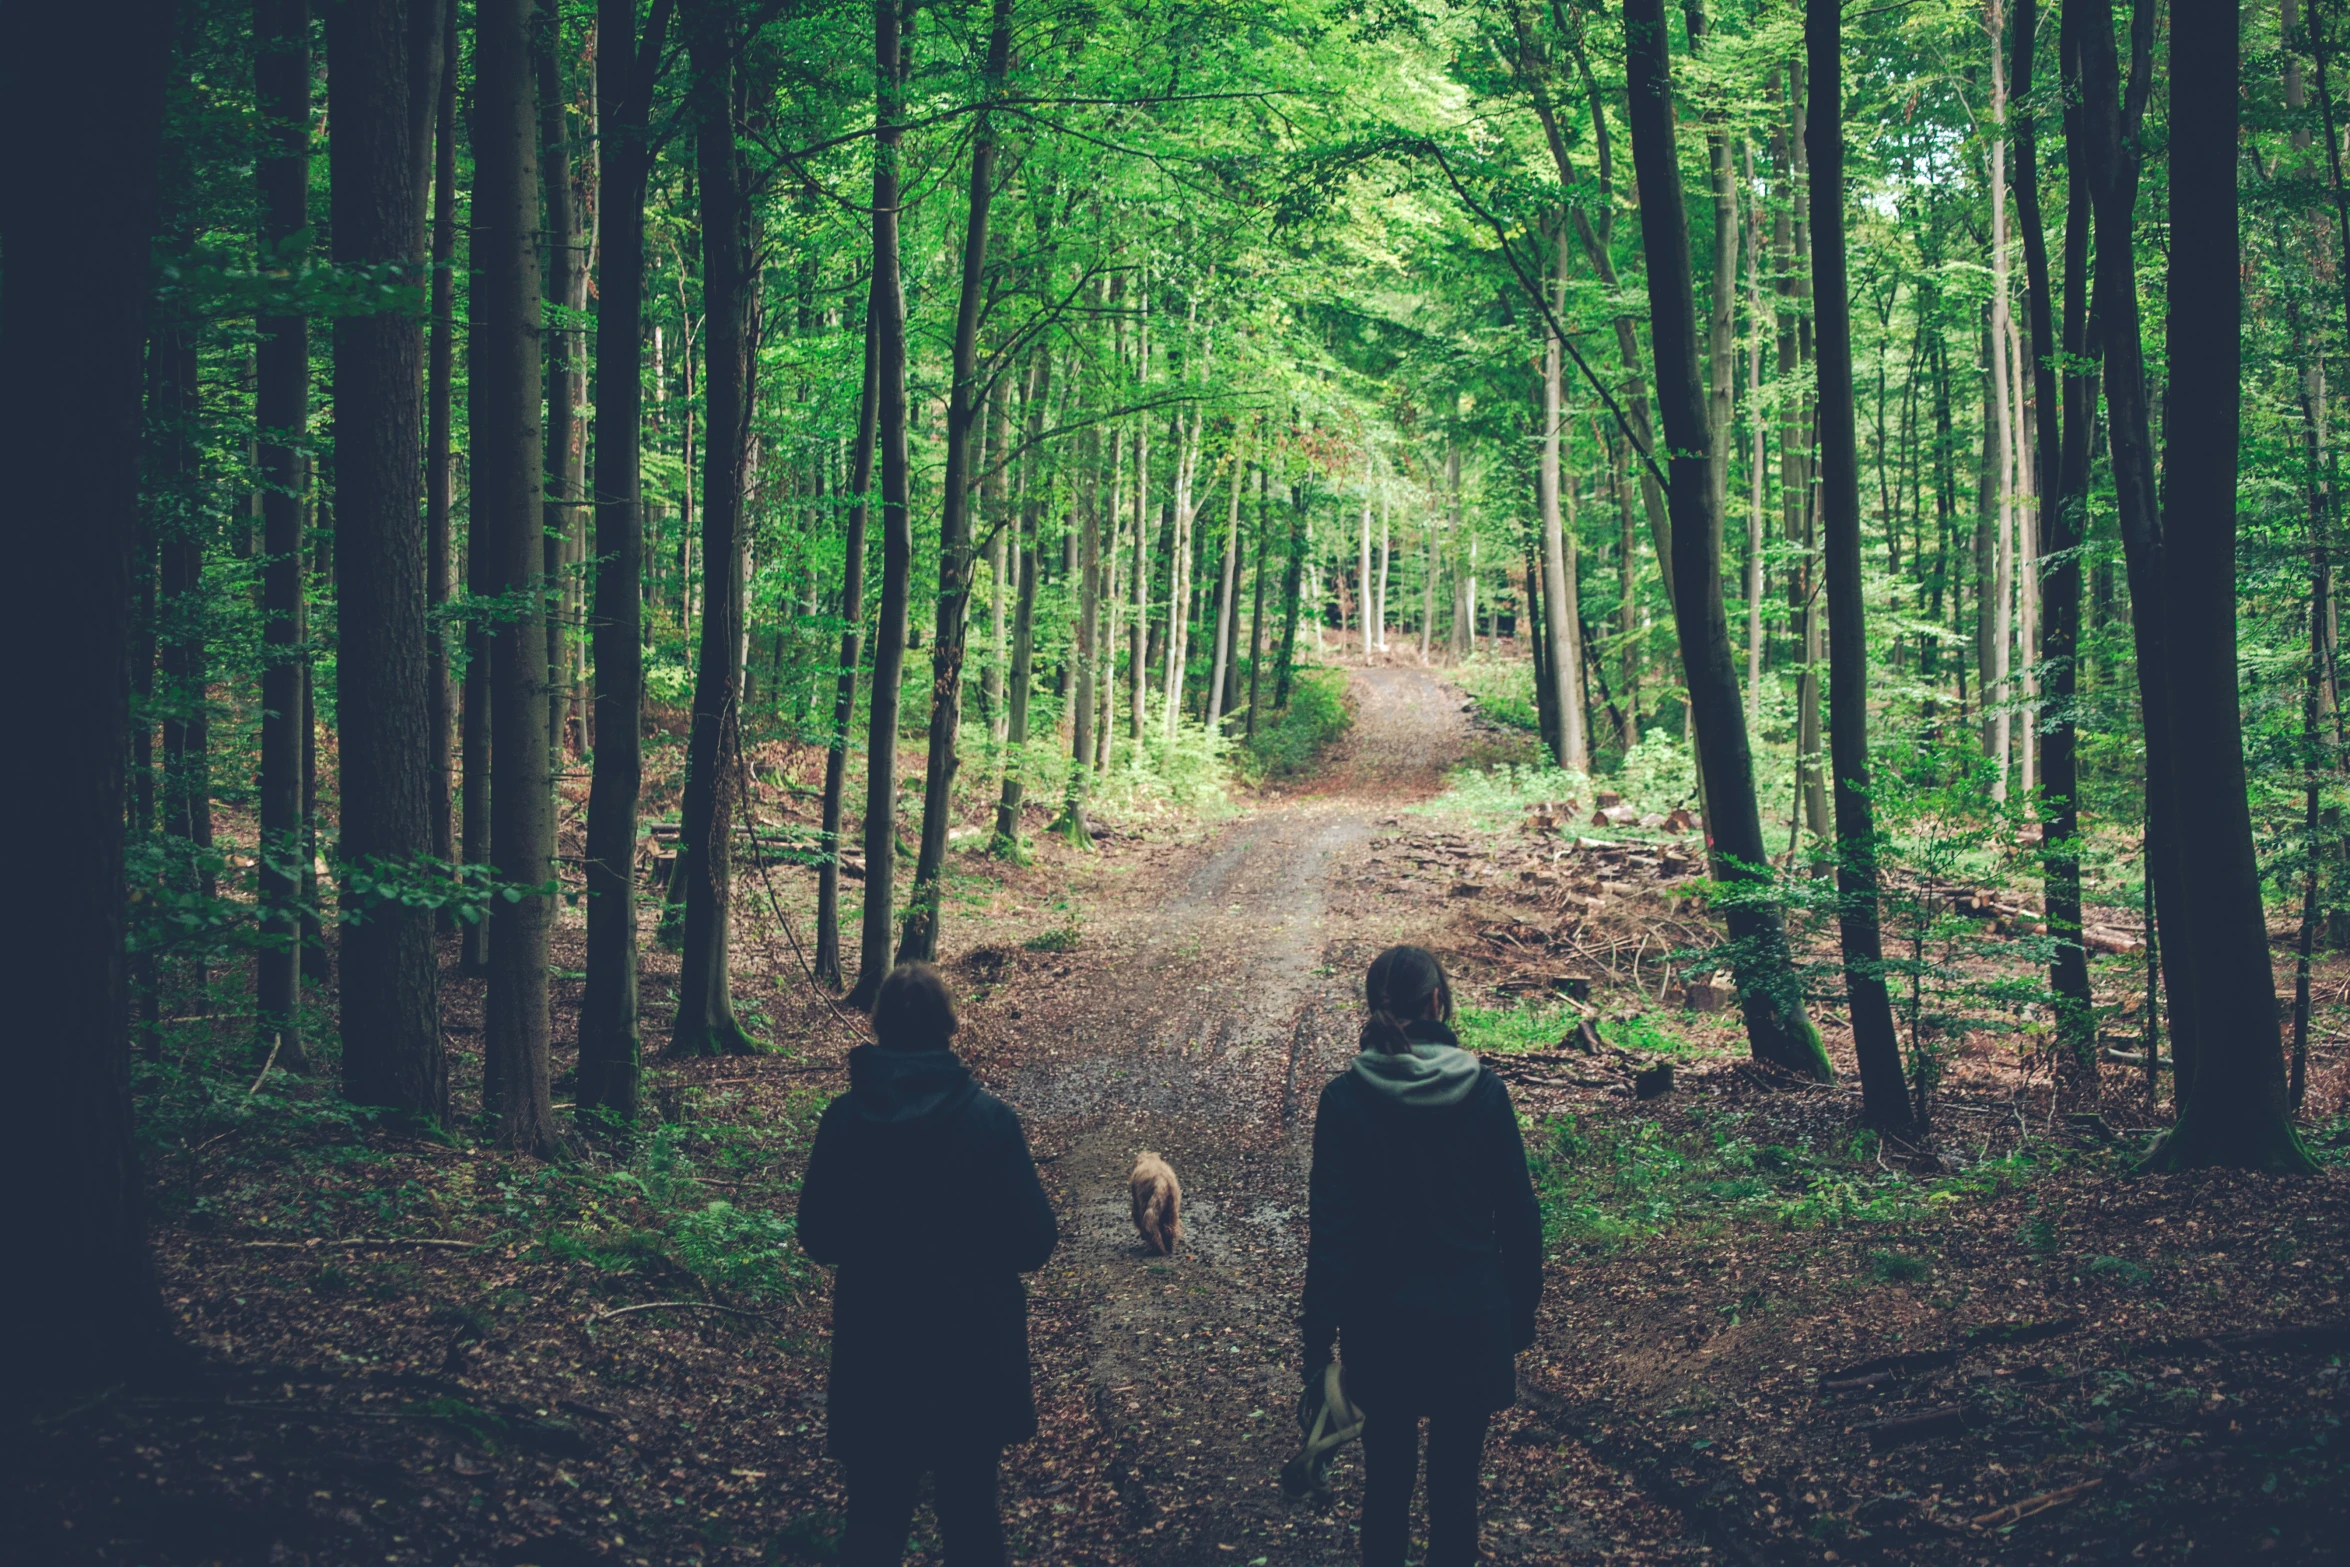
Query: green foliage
x=1502, y=688
x=1294, y=741
x=1610, y=1178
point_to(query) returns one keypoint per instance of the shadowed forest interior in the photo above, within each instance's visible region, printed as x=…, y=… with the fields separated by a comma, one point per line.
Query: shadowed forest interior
x=1788, y=544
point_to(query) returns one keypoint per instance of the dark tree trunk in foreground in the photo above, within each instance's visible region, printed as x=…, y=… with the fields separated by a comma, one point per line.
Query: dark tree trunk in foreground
x=887, y=310
x=2061, y=463
x=610, y=1042
x=706, y=1022
x=82, y=107
x=2235, y=1112
x=2139, y=520
x=1768, y=988
x=506, y=444
x=383, y=84
x=440, y=477
x=966, y=405
x=844, y=696
x=1884, y=1096
x=281, y=80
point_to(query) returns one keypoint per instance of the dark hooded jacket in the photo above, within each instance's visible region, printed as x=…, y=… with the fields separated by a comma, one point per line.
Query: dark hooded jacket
x=1425, y=1260
x=921, y=1191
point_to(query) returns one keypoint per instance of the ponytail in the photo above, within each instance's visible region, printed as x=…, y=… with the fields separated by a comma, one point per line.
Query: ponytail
x=1398, y=989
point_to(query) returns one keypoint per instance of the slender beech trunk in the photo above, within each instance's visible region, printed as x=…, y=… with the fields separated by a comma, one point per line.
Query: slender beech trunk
x=1386, y=558
x=281, y=79
x=1006, y=843
x=844, y=694
x=82, y=116
x=1086, y=652
x=966, y=404
x=1573, y=747
x=2236, y=1111
x=1769, y=990
x=706, y=1023
x=1537, y=634
x=1884, y=1098
x=1256, y=623
x=611, y=1043
x=991, y=679
x=440, y=468
x=1754, y=470
x=565, y=254
x=888, y=314
x=1228, y=598
x=504, y=409
x=1999, y=425
x=1362, y=579
x=2060, y=455
x=1292, y=583
x=383, y=86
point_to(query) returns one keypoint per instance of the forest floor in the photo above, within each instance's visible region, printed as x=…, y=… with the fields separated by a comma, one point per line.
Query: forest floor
x=1764, y=1338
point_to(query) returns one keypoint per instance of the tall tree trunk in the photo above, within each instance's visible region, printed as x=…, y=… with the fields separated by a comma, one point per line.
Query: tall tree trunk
x=281, y=83
x=844, y=696
x=2061, y=452
x=1256, y=622
x=1769, y=990
x=887, y=311
x=1999, y=424
x=966, y=405
x=440, y=473
x=1885, y=1101
x=1291, y=584
x=565, y=255
x=1754, y=471
x=1228, y=596
x=383, y=85
x=82, y=115
x=1573, y=747
x=1006, y=843
x=706, y=1023
x=174, y=474
x=2236, y=1113
x=611, y=1042
x=504, y=409
x=1137, y=655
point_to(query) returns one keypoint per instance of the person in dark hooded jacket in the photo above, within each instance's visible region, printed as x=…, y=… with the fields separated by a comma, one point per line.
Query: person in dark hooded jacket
x=921, y=1192
x=1425, y=1260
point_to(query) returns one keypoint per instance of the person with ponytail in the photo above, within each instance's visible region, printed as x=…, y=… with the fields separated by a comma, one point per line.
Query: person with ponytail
x=1425, y=1262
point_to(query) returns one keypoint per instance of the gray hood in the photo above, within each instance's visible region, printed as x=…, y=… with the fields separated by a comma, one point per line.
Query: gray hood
x=1437, y=1072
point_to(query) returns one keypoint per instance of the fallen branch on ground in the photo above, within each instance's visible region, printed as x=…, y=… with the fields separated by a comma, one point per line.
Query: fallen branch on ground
x=675, y=1305
x=368, y=1243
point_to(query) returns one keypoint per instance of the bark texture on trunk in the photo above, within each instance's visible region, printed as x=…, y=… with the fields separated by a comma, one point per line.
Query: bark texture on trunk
x=281, y=71
x=2236, y=1112
x=706, y=1023
x=844, y=691
x=440, y=473
x=1885, y=1100
x=82, y=114
x=383, y=87
x=2060, y=457
x=966, y=406
x=504, y=411
x=888, y=314
x=1769, y=991
x=611, y=1043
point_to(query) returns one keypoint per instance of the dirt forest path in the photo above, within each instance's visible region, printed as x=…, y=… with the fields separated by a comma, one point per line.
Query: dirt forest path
x=1209, y=1003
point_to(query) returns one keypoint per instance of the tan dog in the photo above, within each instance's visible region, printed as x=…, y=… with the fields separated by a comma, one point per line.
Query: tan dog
x=1158, y=1204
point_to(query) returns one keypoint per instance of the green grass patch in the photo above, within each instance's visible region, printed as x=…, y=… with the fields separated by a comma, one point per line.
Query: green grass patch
x=1609, y=1178
x=1546, y=1025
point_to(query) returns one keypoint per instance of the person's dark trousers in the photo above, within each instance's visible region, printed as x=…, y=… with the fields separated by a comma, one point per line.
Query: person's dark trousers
x=1391, y=1459
x=881, y=1510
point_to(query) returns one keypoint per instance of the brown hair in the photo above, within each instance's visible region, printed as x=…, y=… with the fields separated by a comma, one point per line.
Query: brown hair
x=1398, y=988
x=914, y=1010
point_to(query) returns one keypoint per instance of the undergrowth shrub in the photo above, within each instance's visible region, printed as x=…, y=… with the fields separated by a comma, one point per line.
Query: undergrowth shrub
x=1294, y=740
